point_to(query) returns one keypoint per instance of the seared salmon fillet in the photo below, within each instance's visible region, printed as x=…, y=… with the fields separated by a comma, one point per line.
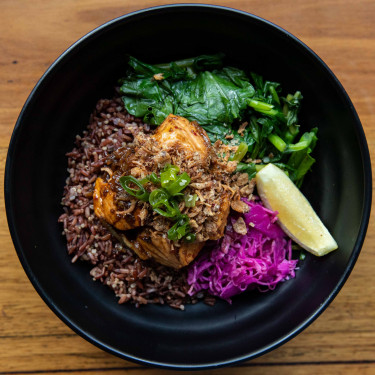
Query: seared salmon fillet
x=157, y=246
x=106, y=209
x=179, y=132
x=182, y=143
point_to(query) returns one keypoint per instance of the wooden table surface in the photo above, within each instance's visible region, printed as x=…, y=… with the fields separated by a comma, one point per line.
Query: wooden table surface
x=32, y=35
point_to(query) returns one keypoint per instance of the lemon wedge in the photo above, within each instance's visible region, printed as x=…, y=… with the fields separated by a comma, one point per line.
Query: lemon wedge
x=296, y=216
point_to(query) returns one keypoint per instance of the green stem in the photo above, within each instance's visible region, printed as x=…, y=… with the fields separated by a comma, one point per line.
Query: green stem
x=262, y=107
x=298, y=146
x=277, y=142
x=180, y=63
x=274, y=94
x=241, y=152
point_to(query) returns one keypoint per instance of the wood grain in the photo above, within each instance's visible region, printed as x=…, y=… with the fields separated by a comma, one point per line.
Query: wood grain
x=32, y=339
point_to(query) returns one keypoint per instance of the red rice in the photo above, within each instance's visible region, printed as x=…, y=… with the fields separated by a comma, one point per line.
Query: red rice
x=131, y=279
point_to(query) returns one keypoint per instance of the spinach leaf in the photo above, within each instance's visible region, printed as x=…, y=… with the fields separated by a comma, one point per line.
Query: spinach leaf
x=197, y=64
x=212, y=98
x=219, y=99
x=249, y=168
x=229, y=135
x=208, y=97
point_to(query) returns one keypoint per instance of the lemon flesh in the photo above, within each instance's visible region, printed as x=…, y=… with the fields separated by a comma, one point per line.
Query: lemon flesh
x=296, y=216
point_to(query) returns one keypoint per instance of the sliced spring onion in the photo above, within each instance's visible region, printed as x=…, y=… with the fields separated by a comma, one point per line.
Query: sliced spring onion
x=180, y=183
x=140, y=193
x=163, y=200
x=170, y=210
x=153, y=178
x=179, y=229
x=169, y=175
x=190, y=237
x=190, y=200
x=157, y=198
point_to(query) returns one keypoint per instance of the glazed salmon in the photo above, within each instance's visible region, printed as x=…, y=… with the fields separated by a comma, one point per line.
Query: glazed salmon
x=175, y=141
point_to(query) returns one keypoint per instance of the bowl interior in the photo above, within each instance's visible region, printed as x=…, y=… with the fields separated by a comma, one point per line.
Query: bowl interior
x=59, y=108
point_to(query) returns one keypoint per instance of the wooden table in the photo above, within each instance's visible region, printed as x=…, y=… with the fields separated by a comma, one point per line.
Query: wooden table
x=34, y=33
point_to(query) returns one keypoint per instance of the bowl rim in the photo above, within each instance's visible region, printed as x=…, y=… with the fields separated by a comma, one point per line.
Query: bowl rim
x=366, y=209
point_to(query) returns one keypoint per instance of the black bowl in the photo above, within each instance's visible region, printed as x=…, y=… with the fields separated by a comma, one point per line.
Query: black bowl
x=339, y=187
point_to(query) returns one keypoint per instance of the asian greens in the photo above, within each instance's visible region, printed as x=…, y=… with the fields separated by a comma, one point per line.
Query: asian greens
x=233, y=106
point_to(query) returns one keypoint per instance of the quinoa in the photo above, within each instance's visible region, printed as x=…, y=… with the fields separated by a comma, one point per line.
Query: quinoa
x=131, y=279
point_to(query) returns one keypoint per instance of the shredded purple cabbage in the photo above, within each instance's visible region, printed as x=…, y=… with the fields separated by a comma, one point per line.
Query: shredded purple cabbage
x=261, y=259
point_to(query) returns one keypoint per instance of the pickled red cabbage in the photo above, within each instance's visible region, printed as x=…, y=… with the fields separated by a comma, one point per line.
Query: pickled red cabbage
x=261, y=259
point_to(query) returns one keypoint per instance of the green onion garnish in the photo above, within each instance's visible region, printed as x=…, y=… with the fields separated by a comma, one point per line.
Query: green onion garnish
x=140, y=193
x=190, y=200
x=164, y=200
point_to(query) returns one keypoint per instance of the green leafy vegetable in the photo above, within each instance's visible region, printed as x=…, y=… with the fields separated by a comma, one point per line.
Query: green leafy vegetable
x=277, y=142
x=212, y=97
x=293, y=103
x=301, y=161
x=249, y=168
x=199, y=63
x=220, y=98
x=181, y=88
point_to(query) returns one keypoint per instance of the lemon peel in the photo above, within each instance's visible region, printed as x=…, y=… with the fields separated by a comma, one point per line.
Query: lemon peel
x=296, y=216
